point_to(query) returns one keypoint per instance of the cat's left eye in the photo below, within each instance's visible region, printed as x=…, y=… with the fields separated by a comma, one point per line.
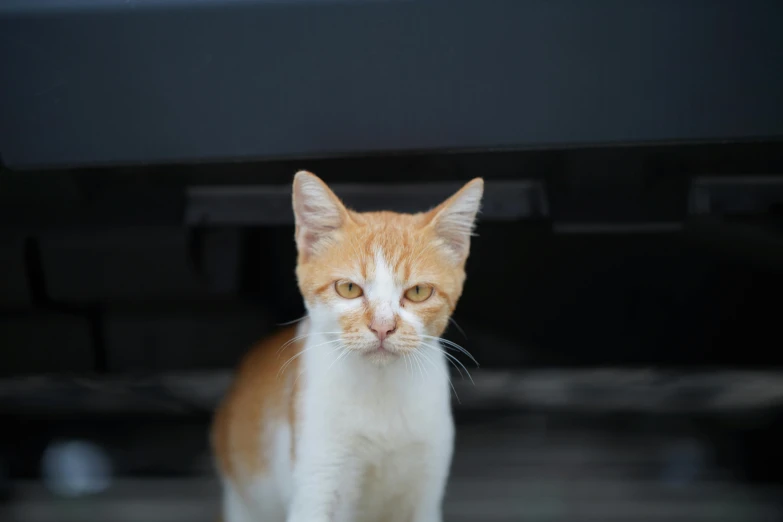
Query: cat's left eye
x=418, y=293
x=348, y=290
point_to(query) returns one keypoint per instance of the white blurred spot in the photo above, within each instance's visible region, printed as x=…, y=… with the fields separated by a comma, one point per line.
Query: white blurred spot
x=683, y=462
x=76, y=468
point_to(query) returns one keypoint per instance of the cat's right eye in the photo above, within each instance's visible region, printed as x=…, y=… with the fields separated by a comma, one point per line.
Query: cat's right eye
x=348, y=290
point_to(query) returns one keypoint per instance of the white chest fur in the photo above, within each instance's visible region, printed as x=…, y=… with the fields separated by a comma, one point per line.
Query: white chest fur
x=375, y=443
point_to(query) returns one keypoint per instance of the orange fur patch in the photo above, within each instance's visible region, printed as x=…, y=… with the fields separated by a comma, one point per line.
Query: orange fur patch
x=261, y=393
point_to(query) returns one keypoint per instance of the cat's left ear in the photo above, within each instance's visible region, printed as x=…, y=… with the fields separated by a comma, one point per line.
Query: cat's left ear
x=318, y=212
x=454, y=219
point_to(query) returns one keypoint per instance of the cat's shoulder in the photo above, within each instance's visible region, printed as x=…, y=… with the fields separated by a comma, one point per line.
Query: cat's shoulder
x=269, y=354
x=260, y=391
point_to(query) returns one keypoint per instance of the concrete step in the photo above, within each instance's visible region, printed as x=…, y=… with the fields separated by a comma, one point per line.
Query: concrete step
x=504, y=499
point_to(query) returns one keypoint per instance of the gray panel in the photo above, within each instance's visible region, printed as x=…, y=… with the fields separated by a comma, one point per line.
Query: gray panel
x=735, y=195
x=271, y=205
x=45, y=343
x=14, y=290
x=189, y=338
x=131, y=264
x=160, y=81
x=601, y=390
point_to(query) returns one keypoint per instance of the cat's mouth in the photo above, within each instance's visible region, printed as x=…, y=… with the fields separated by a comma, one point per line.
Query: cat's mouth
x=383, y=349
x=381, y=354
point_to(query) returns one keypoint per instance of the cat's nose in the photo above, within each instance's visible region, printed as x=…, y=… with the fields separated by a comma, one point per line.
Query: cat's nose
x=383, y=328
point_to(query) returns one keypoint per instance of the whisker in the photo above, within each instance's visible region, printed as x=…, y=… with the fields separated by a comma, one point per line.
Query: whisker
x=290, y=360
x=453, y=345
x=291, y=341
x=288, y=323
x=428, y=358
x=424, y=362
x=456, y=395
x=303, y=371
x=453, y=360
x=459, y=328
x=460, y=363
x=449, y=358
x=459, y=348
x=285, y=364
x=342, y=354
x=464, y=351
x=303, y=336
x=418, y=364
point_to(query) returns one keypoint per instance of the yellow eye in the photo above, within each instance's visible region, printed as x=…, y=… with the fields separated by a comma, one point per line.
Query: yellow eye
x=418, y=293
x=348, y=290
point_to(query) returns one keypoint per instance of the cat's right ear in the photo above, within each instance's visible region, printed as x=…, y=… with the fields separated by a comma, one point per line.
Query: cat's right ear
x=319, y=214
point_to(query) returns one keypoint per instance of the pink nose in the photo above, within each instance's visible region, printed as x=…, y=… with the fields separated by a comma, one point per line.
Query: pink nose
x=383, y=328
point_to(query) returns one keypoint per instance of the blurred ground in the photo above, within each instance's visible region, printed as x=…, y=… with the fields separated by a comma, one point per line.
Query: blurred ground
x=508, y=466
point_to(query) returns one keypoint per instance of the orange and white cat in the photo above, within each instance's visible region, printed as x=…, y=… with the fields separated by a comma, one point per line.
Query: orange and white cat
x=354, y=424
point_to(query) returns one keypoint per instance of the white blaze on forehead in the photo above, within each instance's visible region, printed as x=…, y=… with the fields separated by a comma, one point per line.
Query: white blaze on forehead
x=383, y=290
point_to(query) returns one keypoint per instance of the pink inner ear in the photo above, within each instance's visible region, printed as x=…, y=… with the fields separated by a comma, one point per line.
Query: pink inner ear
x=306, y=240
x=319, y=211
x=318, y=214
x=455, y=218
x=307, y=237
x=312, y=216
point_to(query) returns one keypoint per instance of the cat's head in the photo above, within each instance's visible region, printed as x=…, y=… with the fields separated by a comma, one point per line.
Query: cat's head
x=385, y=283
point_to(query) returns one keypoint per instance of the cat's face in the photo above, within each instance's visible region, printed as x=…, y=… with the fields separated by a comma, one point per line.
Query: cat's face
x=384, y=283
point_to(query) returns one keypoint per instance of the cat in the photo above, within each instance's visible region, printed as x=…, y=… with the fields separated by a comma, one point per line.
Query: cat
x=355, y=425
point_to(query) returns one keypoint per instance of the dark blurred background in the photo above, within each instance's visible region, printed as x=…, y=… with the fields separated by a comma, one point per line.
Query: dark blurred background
x=623, y=293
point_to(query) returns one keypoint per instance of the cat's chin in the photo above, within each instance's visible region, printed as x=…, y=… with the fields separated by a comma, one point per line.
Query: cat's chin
x=381, y=355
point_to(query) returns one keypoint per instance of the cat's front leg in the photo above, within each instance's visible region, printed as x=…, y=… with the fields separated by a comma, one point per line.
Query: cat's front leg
x=428, y=508
x=326, y=490
x=428, y=515
x=433, y=475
